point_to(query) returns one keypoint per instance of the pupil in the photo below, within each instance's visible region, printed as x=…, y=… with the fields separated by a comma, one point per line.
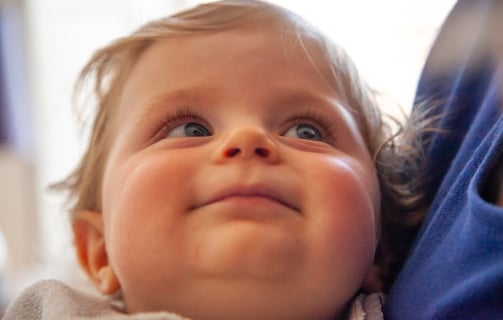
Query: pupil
x=308, y=132
x=195, y=130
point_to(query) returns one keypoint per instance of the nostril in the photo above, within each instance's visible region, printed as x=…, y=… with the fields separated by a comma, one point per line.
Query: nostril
x=262, y=152
x=232, y=152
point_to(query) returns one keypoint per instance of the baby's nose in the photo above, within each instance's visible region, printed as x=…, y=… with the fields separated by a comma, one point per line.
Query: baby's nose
x=248, y=142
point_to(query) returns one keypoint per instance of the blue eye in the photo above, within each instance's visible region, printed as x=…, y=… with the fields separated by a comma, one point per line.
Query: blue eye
x=304, y=131
x=191, y=129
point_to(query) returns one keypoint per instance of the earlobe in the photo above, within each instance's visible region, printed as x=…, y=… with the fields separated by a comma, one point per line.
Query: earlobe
x=91, y=250
x=108, y=280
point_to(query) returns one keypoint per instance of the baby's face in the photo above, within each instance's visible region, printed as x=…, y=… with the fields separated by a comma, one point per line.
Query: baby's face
x=238, y=185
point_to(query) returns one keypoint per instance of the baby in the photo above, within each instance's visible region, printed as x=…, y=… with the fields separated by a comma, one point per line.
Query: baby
x=238, y=168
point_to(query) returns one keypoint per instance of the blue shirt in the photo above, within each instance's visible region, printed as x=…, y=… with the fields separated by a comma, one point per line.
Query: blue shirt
x=455, y=267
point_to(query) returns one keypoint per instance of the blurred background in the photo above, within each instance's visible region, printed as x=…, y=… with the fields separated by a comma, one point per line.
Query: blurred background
x=44, y=43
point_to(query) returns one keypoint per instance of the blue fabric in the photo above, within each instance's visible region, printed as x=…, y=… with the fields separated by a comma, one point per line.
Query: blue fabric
x=455, y=267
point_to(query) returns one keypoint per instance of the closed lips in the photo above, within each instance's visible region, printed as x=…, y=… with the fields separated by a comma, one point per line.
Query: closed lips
x=250, y=191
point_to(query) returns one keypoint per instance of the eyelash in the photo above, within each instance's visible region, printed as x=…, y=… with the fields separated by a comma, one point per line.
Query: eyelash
x=181, y=116
x=317, y=119
x=311, y=116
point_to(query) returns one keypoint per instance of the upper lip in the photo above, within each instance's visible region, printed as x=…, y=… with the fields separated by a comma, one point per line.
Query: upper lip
x=256, y=190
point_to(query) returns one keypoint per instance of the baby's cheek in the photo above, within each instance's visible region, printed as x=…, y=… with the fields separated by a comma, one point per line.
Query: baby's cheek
x=346, y=212
x=347, y=191
x=143, y=207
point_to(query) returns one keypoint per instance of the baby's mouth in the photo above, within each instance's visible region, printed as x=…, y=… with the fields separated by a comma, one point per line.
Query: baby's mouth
x=252, y=191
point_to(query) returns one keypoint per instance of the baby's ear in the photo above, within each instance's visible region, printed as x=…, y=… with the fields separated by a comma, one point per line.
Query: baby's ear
x=373, y=281
x=91, y=250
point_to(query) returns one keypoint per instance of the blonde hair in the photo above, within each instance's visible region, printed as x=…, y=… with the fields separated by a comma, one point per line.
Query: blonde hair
x=109, y=67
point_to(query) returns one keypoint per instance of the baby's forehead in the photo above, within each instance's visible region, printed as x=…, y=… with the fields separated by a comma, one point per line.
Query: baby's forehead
x=290, y=48
x=253, y=53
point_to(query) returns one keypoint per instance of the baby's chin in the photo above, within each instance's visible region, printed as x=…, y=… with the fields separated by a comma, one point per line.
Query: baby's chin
x=247, y=251
x=222, y=300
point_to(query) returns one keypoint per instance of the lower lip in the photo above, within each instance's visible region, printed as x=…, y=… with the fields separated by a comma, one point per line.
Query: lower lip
x=251, y=205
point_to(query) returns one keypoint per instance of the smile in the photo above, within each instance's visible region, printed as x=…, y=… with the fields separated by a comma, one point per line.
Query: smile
x=250, y=194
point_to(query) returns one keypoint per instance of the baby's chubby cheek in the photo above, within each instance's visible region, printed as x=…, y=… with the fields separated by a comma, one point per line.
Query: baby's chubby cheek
x=345, y=217
x=144, y=207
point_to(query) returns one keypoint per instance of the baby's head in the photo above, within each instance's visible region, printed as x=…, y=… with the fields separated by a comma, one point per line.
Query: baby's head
x=230, y=172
